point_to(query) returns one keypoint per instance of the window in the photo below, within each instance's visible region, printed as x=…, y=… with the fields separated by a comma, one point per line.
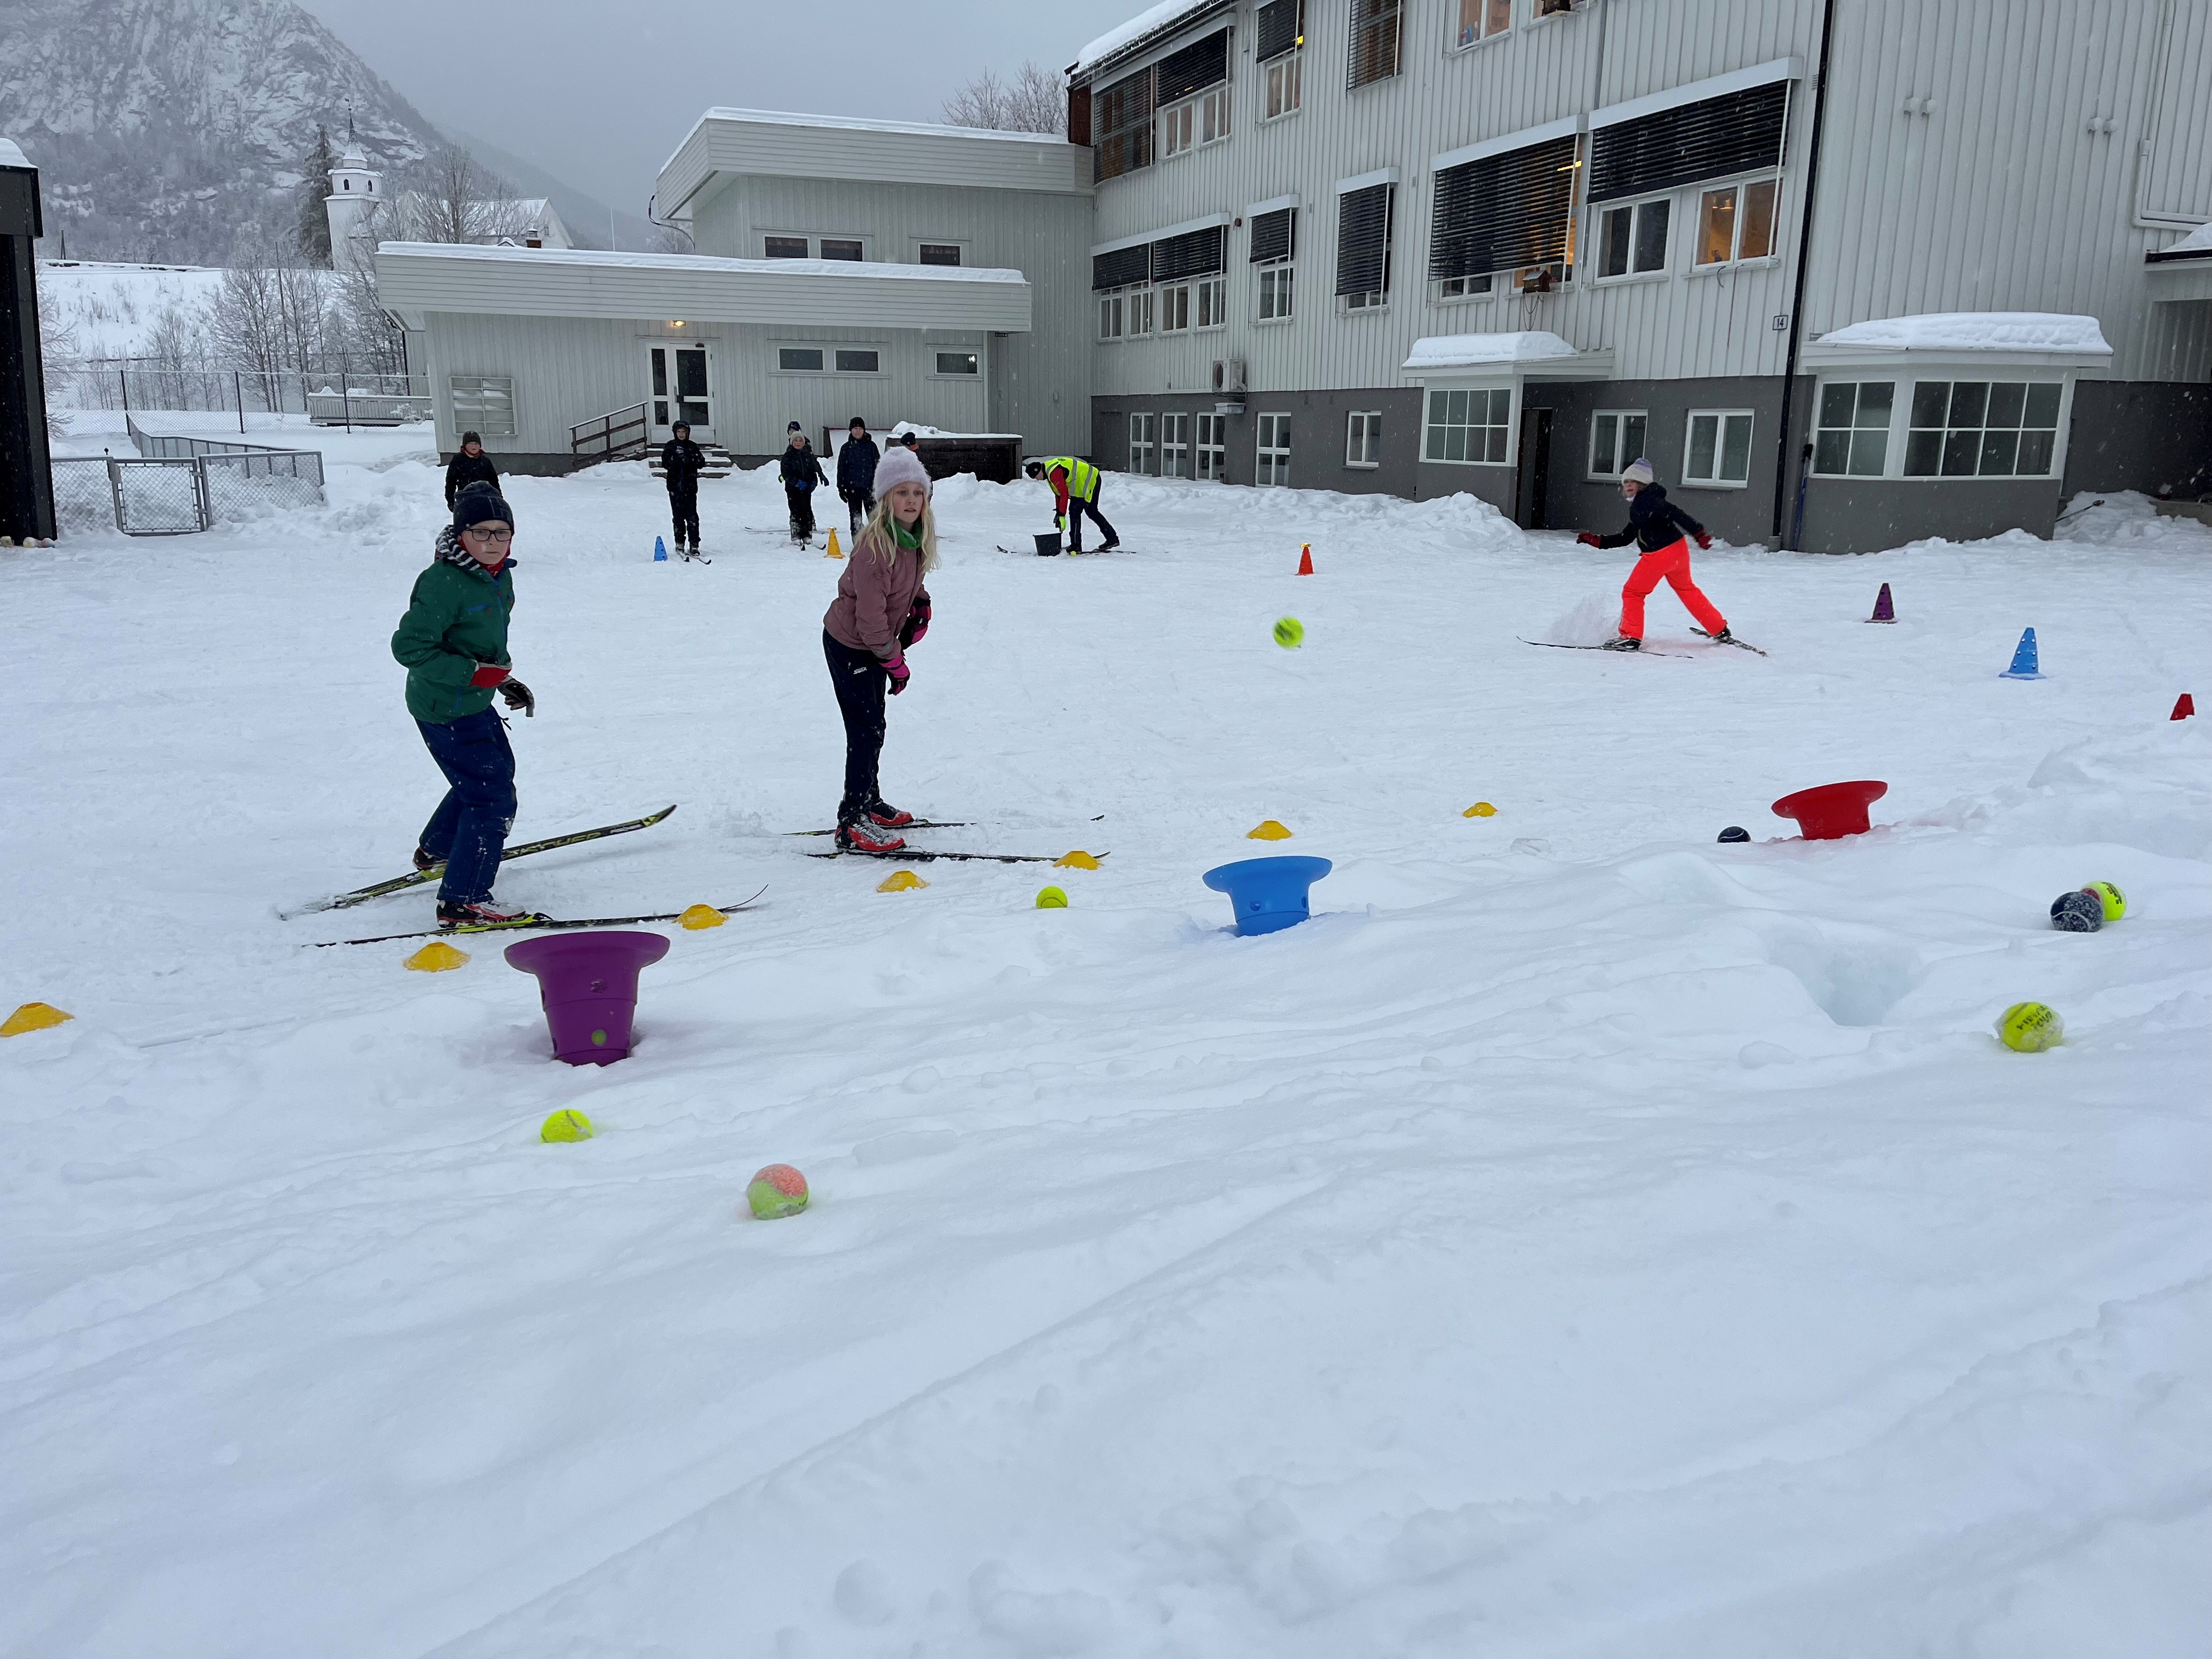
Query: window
x=787, y=247
x=1214, y=303
x=1504, y=211
x=1200, y=120
x=1363, y=438
x=1278, y=26
x=1616, y=439
x=1190, y=89
x=1141, y=430
x=1375, y=26
x=857, y=361
x=1733, y=134
x=1550, y=8
x=1112, y=321
x=835, y=248
x=1273, y=469
x=798, y=360
x=1213, y=449
x=1274, y=241
x=1719, y=448
x=1275, y=294
x=1469, y=426
x=484, y=404
x=956, y=362
x=1484, y=19
x=1175, y=309
x=1363, y=246
x=1852, y=435
x=1982, y=428
x=1632, y=240
x=1283, y=88
x=1174, y=447
x=1141, y=311
x=934, y=254
x=1122, y=114
x=1736, y=221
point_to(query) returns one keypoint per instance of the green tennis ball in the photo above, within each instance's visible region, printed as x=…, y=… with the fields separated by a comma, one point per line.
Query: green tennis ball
x=777, y=1191
x=1290, y=633
x=2029, y=1028
x=2114, y=901
x=1051, y=898
x=566, y=1126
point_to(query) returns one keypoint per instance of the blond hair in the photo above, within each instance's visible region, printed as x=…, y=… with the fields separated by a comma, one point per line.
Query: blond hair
x=880, y=526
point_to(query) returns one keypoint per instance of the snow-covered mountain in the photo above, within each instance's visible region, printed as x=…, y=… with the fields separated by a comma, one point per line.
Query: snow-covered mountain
x=164, y=129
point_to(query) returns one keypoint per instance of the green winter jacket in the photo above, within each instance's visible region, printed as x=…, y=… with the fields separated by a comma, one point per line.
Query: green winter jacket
x=456, y=619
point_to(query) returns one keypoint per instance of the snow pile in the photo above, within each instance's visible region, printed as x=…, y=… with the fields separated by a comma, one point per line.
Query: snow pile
x=2118, y=517
x=1975, y=331
x=1637, y=1246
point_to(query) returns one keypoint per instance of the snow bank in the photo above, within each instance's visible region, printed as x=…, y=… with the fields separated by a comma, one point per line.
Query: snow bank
x=112, y=310
x=1975, y=331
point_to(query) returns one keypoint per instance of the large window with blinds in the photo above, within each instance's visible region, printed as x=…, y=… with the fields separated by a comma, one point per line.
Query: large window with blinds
x=1503, y=212
x=1364, y=224
x=1691, y=143
x=1377, y=30
x=1121, y=124
x=1275, y=237
x=1278, y=29
x=1191, y=86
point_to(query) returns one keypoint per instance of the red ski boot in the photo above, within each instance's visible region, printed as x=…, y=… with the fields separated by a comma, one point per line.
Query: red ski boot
x=863, y=838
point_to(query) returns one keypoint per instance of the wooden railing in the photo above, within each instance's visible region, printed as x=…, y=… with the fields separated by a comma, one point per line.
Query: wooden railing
x=612, y=437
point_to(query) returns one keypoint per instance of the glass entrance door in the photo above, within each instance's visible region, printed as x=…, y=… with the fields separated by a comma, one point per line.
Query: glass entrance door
x=678, y=391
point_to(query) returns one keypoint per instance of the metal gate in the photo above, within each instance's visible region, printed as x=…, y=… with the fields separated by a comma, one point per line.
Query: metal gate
x=159, y=497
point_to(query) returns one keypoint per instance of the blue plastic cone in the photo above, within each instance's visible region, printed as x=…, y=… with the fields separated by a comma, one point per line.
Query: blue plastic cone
x=659, y=551
x=2023, y=659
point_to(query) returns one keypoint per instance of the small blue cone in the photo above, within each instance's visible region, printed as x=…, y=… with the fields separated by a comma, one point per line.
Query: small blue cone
x=2023, y=659
x=660, y=557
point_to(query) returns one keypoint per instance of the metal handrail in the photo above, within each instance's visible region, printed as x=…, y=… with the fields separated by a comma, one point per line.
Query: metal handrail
x=601, y=437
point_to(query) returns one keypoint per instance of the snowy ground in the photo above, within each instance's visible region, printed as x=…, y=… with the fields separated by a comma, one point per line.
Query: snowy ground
x=1581, y=1239
x=111, y=310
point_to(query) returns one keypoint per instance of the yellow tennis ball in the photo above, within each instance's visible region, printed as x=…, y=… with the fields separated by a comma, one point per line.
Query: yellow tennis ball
x=566, y=1126
x=2114, y=901
x=1051, y=898
x=1290, y=633
x=2029, y=1028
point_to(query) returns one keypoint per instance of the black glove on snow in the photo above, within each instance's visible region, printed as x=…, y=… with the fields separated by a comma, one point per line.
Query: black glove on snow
x=518, y=695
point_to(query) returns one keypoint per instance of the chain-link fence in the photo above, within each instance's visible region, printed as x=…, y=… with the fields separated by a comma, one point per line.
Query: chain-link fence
x=248, y=460
x=176, y=485
x=246, y=486
x=159, y=497
x=84, y=499
x=335, y=396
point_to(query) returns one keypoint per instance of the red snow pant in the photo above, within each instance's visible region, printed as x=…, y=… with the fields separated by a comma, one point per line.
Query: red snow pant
x=1671, y=562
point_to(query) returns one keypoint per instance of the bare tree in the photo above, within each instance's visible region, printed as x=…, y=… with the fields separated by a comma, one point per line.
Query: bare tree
x=672, y=239
x=1035, y=100
x=452, y=198
x=269, y=314
x=369, y=334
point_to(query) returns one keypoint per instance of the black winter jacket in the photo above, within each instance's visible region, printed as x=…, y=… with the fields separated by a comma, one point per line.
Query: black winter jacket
x=856, y=466
x=1654, y=522
x=465, y=470
x=801, y=467
x=680, y=461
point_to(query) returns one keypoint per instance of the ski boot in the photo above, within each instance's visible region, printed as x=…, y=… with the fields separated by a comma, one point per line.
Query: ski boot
x=1622, y=643
x=884, y=815
x=481, y=913
x=423, y=861
x=862, y=838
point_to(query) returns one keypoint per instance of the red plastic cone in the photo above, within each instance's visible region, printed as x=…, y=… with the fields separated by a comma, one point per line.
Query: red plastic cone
x=1305, y=560
x=2184, y=707
x=1883, y=610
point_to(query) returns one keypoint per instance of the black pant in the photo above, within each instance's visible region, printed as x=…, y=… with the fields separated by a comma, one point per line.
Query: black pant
x=1076, y=509
x=683, y=507
x=801, y=503
x=860, y=503
x=859, y=680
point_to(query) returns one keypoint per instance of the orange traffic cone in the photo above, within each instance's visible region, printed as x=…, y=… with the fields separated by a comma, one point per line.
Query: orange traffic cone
x=1305, y=560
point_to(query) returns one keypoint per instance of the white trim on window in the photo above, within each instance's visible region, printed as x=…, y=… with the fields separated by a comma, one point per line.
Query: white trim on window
x=1488, y=30
x=1498, y=146
x=1728, y=446
x=1144, y=444
x=1363, y=439
x=1367, y=181
x=1212, y=448
x=1699, y=195
x=1275, y=293
x=1204, y=222
x=1192, y=123
x=1282, y=86
x=1271, y=463
x=1626, y=436
x=1175, y=445
x=1696, y=92
x=1449, y=423
x=1598, y=233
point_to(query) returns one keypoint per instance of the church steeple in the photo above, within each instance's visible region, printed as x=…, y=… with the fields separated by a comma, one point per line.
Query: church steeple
x=356, y=192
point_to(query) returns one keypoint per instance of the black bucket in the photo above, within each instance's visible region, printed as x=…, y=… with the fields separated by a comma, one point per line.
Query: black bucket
x=1048, y=545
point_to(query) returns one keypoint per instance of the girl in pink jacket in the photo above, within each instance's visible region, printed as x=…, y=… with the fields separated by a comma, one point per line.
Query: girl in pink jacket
x=880, y=609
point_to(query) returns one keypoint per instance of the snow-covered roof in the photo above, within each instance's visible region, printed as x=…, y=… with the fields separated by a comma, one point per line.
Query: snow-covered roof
x=1474, y=351
x=858, y=123
x=710, y=263
x=1974, y=331
x=9, y=155
x=1160, y=20
x=2198, y=241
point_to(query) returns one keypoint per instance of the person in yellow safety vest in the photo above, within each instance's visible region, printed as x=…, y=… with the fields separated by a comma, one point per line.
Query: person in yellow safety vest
x=1074, y=493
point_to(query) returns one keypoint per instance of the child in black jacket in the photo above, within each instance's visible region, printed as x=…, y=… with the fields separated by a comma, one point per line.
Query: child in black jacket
x=802, y=472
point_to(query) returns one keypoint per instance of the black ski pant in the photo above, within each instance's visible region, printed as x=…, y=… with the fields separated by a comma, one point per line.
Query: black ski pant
x=684, y=509
x=469, y=830
x=801, y=503
x=862, y=684
x=859, y=504
x=1076, y=509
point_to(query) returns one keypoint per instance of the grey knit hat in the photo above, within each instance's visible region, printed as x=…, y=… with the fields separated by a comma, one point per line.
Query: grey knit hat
x=900, y=467
x=1637, y=471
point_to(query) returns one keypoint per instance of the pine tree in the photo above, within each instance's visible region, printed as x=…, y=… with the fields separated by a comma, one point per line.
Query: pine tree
x=314, y=219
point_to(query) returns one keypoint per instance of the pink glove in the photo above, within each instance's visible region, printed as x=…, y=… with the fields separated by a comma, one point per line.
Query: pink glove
x=489, y=673
x=1587, y=539
x=896, y=668
x=1703, y=541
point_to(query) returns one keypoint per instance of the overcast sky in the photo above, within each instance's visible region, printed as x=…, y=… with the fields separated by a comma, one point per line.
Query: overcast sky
x=599, y=94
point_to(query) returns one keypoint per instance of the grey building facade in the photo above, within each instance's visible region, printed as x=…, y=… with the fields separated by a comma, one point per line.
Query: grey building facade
x=1503, y=247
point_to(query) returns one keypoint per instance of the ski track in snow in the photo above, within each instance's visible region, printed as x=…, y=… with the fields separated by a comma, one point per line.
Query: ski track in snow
x=1615, y=1243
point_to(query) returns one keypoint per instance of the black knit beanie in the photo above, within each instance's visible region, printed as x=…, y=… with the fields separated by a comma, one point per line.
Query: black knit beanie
x=478, y=502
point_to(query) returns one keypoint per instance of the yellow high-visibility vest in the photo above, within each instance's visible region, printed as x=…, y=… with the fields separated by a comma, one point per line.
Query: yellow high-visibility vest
x=1082, y=477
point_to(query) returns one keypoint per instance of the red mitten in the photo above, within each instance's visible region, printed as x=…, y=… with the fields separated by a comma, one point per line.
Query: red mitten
x=1703, y=541
x=489, y=673
x=1587, y=539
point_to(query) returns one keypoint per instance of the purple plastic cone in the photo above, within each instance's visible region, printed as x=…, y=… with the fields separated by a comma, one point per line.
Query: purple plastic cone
x=1883, y=610
x=589, y=984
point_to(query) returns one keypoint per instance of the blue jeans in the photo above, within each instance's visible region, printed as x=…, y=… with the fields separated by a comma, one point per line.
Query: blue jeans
x=469, y=830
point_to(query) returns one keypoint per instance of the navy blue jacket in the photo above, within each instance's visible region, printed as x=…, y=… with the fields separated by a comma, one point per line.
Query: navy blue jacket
x=801, y=468
x=856, y=466
x=1654, y=522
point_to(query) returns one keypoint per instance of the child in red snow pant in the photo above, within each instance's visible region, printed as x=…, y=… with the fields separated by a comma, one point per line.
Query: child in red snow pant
x=1672, y=564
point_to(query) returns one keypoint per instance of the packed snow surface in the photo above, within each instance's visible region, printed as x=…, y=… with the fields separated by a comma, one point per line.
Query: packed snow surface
x=1580, y=1238
x=1975, y=331
x=1464, y=351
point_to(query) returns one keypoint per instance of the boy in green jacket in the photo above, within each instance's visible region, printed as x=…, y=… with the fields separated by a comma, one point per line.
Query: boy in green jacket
x=452, y=642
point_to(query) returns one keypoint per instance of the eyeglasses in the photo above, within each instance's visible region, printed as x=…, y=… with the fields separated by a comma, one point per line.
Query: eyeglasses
x=489, y=535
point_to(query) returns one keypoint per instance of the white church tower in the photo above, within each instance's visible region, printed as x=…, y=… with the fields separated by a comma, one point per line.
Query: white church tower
x=356, y=195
